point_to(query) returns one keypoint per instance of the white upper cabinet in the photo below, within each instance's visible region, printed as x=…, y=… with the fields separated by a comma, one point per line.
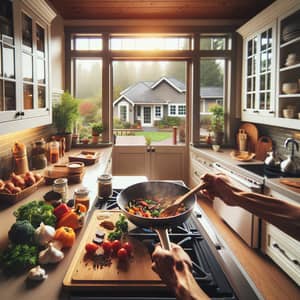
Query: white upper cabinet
x=270, y=38
x=25, y=71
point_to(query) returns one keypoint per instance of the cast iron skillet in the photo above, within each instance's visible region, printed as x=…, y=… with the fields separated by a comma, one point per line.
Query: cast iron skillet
x=148, y=190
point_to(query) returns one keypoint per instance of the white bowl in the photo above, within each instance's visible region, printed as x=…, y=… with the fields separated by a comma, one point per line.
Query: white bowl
x=290, y=87
x=216, y=148
x=288, y=113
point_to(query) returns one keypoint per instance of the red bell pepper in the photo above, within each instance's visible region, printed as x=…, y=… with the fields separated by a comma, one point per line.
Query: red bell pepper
x=60, y=210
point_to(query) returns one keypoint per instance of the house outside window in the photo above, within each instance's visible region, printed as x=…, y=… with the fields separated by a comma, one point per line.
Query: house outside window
x=158, y=112
x=181, y=110
x=123, y=113
x=172, y=110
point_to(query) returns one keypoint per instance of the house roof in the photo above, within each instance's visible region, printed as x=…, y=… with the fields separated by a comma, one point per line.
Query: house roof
x=163, y=91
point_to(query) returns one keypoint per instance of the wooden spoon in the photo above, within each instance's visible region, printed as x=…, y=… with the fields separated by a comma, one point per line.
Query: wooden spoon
x=171, y=210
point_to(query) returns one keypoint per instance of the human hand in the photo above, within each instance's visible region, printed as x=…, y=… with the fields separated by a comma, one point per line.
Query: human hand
x=165, y=262
x=219, y=186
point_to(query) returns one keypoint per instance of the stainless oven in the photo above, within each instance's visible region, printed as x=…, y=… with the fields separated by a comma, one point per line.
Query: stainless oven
x=245, y=224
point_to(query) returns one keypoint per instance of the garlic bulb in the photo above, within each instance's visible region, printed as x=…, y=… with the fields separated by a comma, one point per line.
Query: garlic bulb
x=51, y=255
x=44, y=234
x=37, y=273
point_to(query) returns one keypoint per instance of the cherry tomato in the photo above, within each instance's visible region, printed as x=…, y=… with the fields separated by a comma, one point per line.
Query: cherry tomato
x=91, y=248
x=122, y=254
x=128, y=247
x=116, y=245
x=106, y=245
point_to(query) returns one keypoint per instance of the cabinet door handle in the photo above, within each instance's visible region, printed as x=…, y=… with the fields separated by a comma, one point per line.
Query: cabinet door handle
x=22, y=113
x=294, y=261
x=17, y=114
x=256, y=111
x=244, y=109
x=271, y=112
x=148, y=149
x=152, y=149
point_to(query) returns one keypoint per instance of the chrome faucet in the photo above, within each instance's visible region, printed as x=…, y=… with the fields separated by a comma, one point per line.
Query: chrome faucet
x=289, y=165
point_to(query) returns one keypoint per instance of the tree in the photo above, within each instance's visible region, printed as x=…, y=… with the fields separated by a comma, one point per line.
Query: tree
x=211, y=73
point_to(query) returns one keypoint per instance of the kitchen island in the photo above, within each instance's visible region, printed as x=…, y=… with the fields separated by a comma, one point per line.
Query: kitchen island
x=270, y=280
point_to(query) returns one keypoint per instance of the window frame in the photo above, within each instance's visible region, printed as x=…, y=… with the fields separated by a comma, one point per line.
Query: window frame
x=191, y=57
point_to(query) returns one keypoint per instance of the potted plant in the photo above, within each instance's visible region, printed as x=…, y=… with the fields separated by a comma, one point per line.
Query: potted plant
x=217, y=123
x=97, y=129
x=65, y=113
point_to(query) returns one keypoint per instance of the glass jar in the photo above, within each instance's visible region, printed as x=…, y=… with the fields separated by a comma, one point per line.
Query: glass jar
x=81, y=196
x=53, y=151
x=104, y=186
x=60, y=185
x=38, y=155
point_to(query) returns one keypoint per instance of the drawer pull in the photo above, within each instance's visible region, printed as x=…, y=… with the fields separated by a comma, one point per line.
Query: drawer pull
x=294, y=261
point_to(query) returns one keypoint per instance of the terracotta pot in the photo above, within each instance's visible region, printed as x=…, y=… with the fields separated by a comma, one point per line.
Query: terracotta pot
x=95, y=139
x=68, y=137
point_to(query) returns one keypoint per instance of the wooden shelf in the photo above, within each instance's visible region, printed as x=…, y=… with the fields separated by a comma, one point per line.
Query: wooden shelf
x=295, y=66
x=295, y=40
x=289, y=95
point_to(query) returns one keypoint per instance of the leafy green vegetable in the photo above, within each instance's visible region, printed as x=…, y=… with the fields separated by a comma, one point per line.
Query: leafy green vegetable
x=18, y=258
x=36, y=212
x=22, y=232
x=121, y=228
x=115, y=235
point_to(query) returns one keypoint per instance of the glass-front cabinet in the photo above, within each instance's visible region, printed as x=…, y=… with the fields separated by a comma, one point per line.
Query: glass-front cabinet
x=24, y=64
x=271, y=66
x=259, y=77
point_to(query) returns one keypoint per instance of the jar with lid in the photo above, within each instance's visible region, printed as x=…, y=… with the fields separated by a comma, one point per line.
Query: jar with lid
x=60, y=185
x=81, y=196
x=104, y=186
x=53, y=150
x=38, y=155
x=20, y=158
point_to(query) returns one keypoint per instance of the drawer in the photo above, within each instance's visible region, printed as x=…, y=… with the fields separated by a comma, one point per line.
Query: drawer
x=283, y=249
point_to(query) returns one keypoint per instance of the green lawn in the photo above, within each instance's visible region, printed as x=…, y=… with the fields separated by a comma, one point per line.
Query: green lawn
x=155, y=135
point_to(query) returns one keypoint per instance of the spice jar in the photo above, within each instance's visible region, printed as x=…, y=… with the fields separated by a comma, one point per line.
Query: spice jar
x=104, y=186
x=81, y=196
x=60, y=185
x=53, y=151
x=38, y=155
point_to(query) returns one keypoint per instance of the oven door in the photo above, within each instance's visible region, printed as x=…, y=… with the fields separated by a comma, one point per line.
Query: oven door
x=245, y=224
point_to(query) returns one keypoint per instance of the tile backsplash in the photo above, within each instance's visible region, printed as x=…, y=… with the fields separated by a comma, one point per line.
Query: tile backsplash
x=278, y=136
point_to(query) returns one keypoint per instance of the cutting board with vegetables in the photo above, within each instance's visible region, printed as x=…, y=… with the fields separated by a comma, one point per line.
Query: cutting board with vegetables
x=85, y=271
x=263, y=146
x=252, y=136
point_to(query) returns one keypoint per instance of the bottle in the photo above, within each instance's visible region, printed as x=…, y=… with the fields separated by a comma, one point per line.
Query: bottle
x=60, y=186
x=104, y=186
x=81, y=196
x=53, y=151
x=20, y=158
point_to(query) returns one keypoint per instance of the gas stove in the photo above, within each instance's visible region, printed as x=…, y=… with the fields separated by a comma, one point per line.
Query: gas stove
x=206, y=250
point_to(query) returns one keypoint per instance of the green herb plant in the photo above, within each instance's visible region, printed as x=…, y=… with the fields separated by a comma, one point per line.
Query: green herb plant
x=121, y=228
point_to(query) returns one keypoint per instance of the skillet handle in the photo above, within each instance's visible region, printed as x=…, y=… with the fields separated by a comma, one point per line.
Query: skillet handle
x=164, y=238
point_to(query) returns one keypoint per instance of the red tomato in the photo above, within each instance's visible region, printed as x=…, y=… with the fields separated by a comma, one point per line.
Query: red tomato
x=122, y=254
x=91, y=248
x=116, y=245
x=106, y=245
x=128, y=247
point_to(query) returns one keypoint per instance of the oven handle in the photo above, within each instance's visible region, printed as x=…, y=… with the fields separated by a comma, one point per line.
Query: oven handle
x=252, y=186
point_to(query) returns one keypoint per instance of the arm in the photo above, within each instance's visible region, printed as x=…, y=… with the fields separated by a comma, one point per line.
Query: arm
x=173, y=267
x=284, y=215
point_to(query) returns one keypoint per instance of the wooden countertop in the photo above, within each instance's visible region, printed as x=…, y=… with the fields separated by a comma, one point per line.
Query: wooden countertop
x=15, y=287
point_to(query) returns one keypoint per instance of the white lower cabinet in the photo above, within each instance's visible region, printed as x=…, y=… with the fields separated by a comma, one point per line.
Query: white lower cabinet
x=155, y=162
x=281, y=248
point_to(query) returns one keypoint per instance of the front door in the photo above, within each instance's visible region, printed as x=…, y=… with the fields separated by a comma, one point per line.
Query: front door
x=147, y=116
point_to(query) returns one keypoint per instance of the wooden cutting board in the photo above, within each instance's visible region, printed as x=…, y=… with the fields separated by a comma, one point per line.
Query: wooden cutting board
x=83, y=271
x=263, y=146
x=291, y=182
x=252, y=136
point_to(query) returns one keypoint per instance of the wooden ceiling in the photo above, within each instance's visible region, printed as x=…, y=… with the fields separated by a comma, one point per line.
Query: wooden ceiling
x=159, y=9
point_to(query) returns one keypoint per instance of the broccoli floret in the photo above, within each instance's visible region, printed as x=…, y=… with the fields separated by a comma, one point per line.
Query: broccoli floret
x=22, y=232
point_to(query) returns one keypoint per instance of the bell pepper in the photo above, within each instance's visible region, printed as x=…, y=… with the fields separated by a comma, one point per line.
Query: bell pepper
x=60, y=210
x=66, y=236
x=72, y=218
